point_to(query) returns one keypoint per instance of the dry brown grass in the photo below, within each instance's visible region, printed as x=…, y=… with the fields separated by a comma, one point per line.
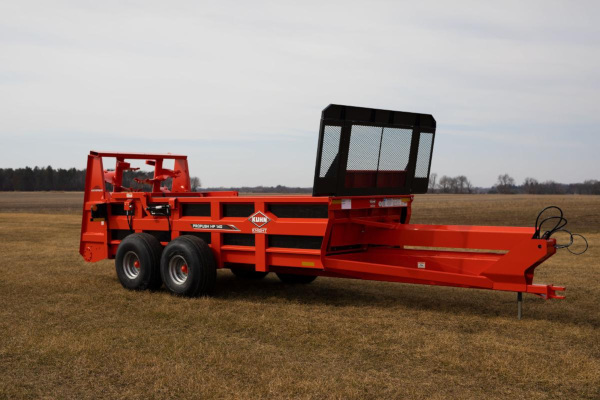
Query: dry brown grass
x=68, y=329
x=41, y=202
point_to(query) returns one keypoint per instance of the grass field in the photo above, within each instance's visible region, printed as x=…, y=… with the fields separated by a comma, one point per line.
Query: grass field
x=69, y=330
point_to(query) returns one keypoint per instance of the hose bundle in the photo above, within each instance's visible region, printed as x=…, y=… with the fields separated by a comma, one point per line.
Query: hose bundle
x=559, y=226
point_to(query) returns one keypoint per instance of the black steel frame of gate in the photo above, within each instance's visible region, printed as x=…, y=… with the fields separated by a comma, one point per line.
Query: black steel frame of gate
x=334, y=181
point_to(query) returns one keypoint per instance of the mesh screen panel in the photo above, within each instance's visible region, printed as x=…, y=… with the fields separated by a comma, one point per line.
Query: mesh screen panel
x=395, y=149
x=331, y=146
x=424, y=154
x=364, y=148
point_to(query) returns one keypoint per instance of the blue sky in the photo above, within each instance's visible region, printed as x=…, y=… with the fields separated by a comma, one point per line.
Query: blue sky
x=239, y=86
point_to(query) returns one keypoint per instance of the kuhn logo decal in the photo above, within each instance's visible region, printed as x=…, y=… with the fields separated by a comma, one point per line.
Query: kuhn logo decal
x=259, y=219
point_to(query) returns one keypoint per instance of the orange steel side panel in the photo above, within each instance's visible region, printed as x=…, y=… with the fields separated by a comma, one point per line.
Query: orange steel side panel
x=217, y=226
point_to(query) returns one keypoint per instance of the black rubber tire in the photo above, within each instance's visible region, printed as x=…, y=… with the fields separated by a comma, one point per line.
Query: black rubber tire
x=202, y=271
x=296, y=279
x=147, y=249
x=248, y=274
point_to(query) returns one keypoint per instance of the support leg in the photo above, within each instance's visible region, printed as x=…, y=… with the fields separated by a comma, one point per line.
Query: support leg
x=519, y=304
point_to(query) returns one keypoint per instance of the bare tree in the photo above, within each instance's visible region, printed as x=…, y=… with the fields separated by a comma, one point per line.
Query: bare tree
x=552, y=187
x=463, y=185
x=531, y=186
x=590, y=186
x=469, y=186
x=432, y=182
x=454, y=185
x=457, y=184
x=445, y=184
x=505, y=184
x=195, y=183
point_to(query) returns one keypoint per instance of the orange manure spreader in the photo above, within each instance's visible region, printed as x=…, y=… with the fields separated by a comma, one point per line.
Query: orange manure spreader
x=356, y=224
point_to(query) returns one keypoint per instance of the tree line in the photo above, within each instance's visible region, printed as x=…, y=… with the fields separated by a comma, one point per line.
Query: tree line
x=72, y=179
x=34, y=179
x=448, y=184
x=506, y=184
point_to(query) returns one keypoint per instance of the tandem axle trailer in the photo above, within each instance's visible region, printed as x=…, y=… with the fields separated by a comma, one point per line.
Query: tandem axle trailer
x=369, y=165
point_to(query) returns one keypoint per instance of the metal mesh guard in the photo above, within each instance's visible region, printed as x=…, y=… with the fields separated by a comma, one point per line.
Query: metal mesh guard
x=395, y=149
x=377, y=157
x=424, y=155
x=365, y=145
x=331, y=147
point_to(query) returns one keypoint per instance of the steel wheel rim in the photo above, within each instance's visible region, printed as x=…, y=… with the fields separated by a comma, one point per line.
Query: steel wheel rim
x=178, y=270
x=129, y=265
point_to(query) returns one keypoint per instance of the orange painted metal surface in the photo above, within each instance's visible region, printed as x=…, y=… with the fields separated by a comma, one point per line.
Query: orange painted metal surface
x=367, y=237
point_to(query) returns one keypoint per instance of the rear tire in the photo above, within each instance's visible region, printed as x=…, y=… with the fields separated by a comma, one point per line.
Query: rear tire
x=296, y=279
x=187, y=267
x=248, y=274
x=138, y=262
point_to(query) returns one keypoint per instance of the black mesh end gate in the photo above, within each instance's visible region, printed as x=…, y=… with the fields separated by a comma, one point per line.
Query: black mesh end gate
x=365, y=152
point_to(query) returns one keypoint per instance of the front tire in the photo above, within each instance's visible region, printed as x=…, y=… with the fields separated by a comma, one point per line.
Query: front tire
x=187, y=267
x=138, y=262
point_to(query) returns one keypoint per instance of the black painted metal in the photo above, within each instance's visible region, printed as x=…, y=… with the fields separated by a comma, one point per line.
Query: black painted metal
x=238, y=209
x=119, y=234
x=238, y=239
x=299, y=210
x=338, y=123
x=161, y=236
x=206, y=236
x=295, y=242
x=195, y=210
x=117, y=209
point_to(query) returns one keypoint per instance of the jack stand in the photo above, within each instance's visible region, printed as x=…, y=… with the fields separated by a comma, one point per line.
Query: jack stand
x=519, y=304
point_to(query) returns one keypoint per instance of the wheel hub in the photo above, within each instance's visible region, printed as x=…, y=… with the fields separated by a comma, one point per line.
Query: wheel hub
x=131, y=265
x=178, y=270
